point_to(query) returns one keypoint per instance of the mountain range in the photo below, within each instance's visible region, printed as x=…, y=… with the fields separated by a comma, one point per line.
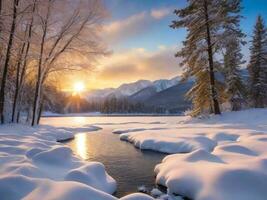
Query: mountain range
x=164, y=93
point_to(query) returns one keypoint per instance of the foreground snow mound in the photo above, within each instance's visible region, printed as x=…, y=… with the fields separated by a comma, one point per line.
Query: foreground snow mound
x=20, y=187
x=137, y=196
x=93, y=174
x=236, y=168
x=59, y=155
x=201, y=175
x=35, y=166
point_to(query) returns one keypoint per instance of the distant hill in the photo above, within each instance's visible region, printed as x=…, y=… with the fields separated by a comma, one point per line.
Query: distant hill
x=143, y=94
x=172, y=99
x=128, y=89
x=163, y=94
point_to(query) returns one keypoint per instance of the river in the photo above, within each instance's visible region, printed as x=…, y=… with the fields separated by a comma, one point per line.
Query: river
x=129, y=166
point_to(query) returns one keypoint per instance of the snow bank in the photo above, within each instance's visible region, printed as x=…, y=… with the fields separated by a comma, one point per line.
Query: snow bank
x=22, y=187
x=236, y=167
x=87, y=128
x=93, y=174
x=202, y=175
x=120, y=131
x=168, y=143
x=137, y=196
x=35, y=166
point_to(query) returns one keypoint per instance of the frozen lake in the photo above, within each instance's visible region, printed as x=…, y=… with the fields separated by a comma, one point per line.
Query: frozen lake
x=129, y=166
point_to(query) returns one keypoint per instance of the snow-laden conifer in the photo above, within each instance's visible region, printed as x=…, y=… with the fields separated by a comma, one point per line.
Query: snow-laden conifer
x=205, y=21
x=258, y=65
x=233, y=59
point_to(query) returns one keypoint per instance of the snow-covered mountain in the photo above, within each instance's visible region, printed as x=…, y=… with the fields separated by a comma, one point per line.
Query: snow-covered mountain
x=99, y=94
x=128, y=89
x=164, y=84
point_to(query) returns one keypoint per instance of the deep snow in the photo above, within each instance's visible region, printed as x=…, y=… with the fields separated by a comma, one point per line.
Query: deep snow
x=217, y=157
x=35, y=166
x=214, y=158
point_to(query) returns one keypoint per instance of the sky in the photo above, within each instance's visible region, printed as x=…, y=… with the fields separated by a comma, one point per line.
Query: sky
x=142, y=43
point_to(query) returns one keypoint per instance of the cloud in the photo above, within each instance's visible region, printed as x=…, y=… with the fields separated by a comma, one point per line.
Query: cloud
x=134, y=25
x=160, y=13
x=122, y=29
x=123, y=67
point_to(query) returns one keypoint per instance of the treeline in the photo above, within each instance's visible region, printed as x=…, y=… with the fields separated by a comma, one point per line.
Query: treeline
x=40, y=40
x=114, y=105
x=212, y=49
x=77, y=104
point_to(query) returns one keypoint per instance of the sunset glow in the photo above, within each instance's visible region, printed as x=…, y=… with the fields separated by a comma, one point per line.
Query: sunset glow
x=78, y=87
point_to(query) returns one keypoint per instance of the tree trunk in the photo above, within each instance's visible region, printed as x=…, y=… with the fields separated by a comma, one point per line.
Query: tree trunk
x=36, y=97
x=214, y=97
x=6, y=64
x=18, y=116
x=24, y=65
x=15, y=101
x=38, y=82
x=40, y=111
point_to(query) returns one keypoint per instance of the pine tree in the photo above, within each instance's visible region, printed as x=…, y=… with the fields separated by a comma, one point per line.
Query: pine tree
x=233, y=59
x=205, y=21
x=234, y=85
x=258, y=65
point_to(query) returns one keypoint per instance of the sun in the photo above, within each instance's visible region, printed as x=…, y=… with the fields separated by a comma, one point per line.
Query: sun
x=78, y=87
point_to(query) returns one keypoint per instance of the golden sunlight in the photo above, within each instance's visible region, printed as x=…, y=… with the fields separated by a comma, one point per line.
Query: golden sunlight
x=78, y=87
x=81, y=145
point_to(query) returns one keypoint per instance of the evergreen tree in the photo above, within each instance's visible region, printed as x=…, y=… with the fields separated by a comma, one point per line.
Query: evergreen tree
x=205, y=21
x=258, y=65
x=233, y=59
x=235, y=89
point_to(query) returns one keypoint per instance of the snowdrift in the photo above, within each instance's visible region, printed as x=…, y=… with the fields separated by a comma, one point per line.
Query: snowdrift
x=216, y=158
x=35, y=166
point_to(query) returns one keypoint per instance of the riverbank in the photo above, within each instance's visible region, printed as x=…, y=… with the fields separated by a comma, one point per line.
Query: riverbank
x=218, y=157
x=35, y=166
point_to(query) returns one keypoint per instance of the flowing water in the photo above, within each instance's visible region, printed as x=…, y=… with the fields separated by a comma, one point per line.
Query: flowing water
x=129, y=166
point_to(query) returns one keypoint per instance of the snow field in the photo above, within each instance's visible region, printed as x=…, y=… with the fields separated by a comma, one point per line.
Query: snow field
x=216, y=158
x=35, y=166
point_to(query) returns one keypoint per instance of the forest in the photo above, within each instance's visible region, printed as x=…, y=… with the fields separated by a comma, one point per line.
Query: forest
x=42, y=40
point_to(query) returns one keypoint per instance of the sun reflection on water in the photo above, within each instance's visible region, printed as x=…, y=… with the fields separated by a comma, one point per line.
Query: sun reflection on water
x=81, y=145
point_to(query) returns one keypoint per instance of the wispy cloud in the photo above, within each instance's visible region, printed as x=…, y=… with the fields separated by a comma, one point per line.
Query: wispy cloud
x=139, y=64
x=134, y=25
x=160, y=13
x=121, y=29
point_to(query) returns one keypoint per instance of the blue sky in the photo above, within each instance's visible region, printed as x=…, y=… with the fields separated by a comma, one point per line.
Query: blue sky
x=161, y=33
x=143, y=45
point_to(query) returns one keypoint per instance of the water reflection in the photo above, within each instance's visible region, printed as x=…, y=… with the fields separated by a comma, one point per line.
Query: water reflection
x=81, y=145
x=129, y=166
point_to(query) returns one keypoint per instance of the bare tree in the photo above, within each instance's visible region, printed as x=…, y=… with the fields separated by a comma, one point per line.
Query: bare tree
x=40, y=62
x=39, y=40
x=7, y=59
x=76, y=34
x=22, y=59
